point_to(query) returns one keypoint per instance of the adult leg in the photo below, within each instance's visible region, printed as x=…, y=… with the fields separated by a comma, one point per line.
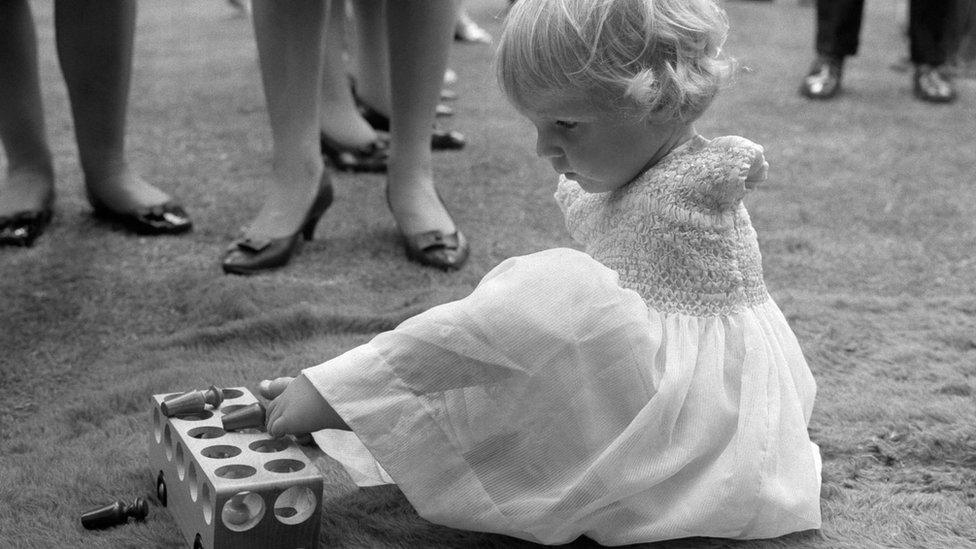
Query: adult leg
x=347, y=139
x=371, y=54
x=29, y=182
x=929, y=37
x=420, y=36
x=289, y=40
x=339, y=118
x=94, y=43
x=838, y=27
x=929, y=31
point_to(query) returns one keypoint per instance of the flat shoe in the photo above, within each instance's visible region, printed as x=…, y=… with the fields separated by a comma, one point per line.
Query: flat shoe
x=440, y=140
x=447, y=140
x=371, y=157
x=166, y=218
x=23, y=228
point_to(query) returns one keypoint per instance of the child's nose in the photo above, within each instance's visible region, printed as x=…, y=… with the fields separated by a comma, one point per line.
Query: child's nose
x=545, y=146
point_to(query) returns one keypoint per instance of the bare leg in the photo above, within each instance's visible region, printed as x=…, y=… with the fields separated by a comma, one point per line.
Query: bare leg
x=94, y=43
x=339, y=118
x=371, y=54
x=420, y=35
x=30, y=173
x=289, y=40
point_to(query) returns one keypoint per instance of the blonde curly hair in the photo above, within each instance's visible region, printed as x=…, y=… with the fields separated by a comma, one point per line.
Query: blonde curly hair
x=653, y=59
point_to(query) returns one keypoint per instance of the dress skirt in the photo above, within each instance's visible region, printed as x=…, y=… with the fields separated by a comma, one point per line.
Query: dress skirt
x=553, y=403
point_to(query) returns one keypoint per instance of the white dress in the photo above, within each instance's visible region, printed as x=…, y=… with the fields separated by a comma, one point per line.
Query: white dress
x=647, y=389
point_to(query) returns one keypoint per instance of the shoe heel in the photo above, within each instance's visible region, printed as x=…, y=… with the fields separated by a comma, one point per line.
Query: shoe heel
x=308, y=231
x=322, y=202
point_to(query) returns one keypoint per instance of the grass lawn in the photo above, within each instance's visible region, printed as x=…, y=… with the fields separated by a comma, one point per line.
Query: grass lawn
x=866, y=225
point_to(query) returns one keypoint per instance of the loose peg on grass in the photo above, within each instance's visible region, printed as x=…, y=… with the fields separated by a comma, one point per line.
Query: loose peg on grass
x=192, y=402
x=113, y=514
x=249, y=417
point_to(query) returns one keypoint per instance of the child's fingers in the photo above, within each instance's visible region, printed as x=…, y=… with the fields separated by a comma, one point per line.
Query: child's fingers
x=271, y=388
x=272, y=425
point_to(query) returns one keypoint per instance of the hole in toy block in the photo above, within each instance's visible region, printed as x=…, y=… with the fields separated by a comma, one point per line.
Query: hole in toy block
x=206, y=432
x=198, y=416
x=284, y=465
x=192, y=481
x=236, y=471
x=206, y=502
x=221, y=451
x=295, y=505
x=232, y=393
x=269, y=446
x=180, y=461
x=197, y=542
x=157, y=425
x=168, y=442
x=242, y=511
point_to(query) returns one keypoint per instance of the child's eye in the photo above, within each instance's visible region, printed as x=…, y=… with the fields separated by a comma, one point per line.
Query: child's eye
x=566, y=124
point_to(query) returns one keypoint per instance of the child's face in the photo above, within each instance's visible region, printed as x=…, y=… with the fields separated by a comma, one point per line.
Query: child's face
x=600, y=152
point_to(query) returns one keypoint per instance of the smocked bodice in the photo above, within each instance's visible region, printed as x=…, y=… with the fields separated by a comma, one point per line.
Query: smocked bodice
x=679, y=234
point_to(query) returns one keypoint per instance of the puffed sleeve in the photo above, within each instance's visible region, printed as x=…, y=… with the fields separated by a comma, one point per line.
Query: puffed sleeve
x=734, y=165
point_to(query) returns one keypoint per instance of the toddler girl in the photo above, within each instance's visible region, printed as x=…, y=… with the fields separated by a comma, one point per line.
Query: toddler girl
x=644, y=390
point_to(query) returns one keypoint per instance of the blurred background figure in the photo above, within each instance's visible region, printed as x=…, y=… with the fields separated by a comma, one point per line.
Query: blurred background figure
x=963, y=43
x=94, y=45
x=838, y=28
x=242, y=7
x=466, y=30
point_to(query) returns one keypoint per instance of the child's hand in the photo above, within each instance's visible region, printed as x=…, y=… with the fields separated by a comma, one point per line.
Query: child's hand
x=299, y=408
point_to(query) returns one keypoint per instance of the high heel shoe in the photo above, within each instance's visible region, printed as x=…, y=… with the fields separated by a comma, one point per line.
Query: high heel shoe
x=371, y=157
x=166, y=218
x=434, y=248
x=23, y=228
x=249, y=255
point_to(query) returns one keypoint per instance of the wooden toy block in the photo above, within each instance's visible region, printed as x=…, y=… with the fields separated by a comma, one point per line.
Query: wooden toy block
x=234, y=489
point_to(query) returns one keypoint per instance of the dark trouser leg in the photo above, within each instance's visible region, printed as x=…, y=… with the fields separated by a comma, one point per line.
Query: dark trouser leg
x=928, y=31
x=838, y=27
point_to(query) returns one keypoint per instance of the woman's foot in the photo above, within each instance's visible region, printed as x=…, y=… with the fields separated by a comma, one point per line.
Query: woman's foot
x=288, y=199
x=140, y=207
x=351, y=144
x=26, y=190
x=430, y=234
x=26, y=200
x=273, y=238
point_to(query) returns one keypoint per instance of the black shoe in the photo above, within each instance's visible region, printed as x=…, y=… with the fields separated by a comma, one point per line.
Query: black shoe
x=447, y=140
x=435, y=248
x=23, y=228
x=823, y=80
x=440, y=140
x=249, y=255
x=933, y=85
x=371, y=157
x=166, y=218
